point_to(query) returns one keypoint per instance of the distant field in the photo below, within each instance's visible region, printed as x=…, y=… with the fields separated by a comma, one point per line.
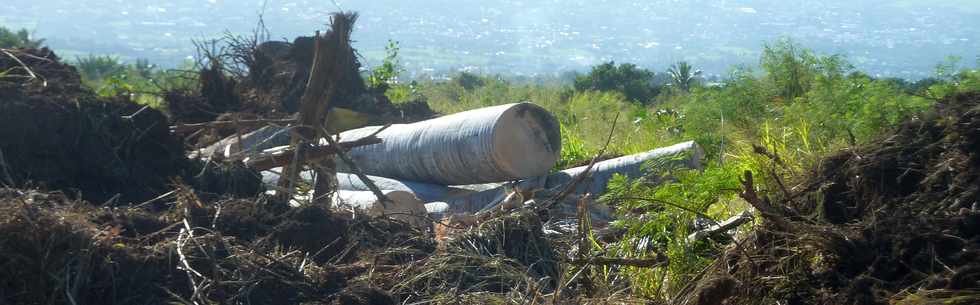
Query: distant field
x=965, y=6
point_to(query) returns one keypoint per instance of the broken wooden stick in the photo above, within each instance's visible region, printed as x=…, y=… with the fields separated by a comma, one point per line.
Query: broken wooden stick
x=721, y=227
x=763, y=205
x=382, y=198
x=573, y=184
x=658, y=261
x=313, y=154
x=332, y=52
x=189, y=128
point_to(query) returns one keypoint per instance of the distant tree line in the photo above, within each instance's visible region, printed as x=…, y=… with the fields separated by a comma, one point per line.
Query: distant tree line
x=637, y=84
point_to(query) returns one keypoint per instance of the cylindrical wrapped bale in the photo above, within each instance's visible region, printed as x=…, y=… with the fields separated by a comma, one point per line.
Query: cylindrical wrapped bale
x=683, y=155
x=404, y=206
x=424, y=191
x=350, y=182
x=499, y=143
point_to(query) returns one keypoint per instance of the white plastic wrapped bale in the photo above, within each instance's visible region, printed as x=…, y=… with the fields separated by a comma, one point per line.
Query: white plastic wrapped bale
x=492, y=144
x=404, y=206
x=685, y=155
x=424, y=191
x=350, y=182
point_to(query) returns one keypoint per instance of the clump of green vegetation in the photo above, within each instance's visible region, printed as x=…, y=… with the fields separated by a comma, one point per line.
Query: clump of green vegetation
x=683, y=76
x=799, y=106
x=636, y=84
x=141, y=81
x=658, y=220
x=19, y=39
x=386, y=74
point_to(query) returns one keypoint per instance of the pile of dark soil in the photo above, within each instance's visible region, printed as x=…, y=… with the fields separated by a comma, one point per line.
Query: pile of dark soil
x=56, y=250
x=57, y=133
x=277, y=75
x=893, y=222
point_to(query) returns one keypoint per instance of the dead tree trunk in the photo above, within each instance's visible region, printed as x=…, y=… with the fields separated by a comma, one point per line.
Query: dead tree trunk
x=332, y=52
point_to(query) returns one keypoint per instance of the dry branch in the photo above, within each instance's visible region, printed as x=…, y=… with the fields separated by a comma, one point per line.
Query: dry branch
x=658, y=261
x=332, y=52
x=384, y=200
x=764, y=206
x=722, y=227
x=188, y=128
x=570, y=187
x=313, y=154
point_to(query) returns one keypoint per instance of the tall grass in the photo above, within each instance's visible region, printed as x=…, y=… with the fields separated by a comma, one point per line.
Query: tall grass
x=798, y=108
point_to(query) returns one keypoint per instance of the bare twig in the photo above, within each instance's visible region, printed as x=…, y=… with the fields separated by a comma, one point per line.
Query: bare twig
x=764, y=206
x=186, y=234
x=186, y=128
x=131, y=116
x=772, y=156
x=719, y=228
x=572, y=185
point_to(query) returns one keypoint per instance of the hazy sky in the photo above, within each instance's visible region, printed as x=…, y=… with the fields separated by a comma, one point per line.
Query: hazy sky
x=896, y=38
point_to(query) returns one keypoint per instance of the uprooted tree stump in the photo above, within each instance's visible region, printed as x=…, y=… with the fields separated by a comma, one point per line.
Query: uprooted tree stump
x=58, y=134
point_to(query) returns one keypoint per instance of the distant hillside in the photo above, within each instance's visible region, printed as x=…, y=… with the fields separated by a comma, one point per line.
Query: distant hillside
x=897, y=38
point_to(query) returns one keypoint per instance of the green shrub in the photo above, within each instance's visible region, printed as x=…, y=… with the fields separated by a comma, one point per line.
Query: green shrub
x=658, y=219
x=19, y=39
x=141, y=81
x=385, y=75
x=634, y=83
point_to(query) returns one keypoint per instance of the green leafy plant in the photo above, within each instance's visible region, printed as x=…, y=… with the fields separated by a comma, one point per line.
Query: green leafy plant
x=383, y=76
x=96, y=67
x=573, y=149
x=790, y=67
x=683, y=76
x=658, y=219
x=19, y=39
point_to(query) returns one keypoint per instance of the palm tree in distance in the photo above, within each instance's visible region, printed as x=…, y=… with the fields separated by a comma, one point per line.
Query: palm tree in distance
x=683, y=75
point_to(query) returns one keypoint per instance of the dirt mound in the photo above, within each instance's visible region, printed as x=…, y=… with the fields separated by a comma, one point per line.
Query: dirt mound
x=54, y=131
x=59, y=134
x=277, y=75
x=61, y=251
x=893, y=222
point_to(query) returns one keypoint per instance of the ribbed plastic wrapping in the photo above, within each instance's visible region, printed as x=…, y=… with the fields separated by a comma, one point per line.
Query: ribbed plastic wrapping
x=686, y=155
x=424, y=191
x=404, y=206
x=350, y=182
x=499, y=143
